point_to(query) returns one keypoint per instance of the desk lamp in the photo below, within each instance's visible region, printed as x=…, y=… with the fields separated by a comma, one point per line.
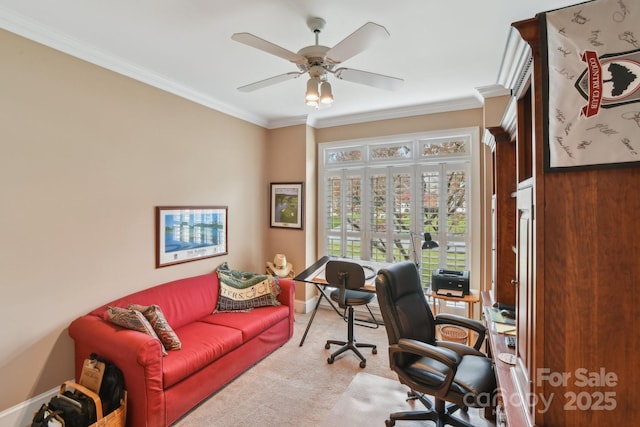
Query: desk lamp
x=428, y=243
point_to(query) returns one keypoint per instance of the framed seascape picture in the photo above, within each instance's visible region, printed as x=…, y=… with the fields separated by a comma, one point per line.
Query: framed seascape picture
x=189, y=233
x=287, y=205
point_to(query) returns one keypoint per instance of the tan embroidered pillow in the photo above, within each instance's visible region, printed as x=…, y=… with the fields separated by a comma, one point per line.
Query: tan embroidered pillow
x=243, y=290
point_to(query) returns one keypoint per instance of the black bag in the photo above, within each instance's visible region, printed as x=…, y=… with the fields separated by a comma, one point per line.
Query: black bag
x=76, y=408
x=43, y=415
x=112, y=386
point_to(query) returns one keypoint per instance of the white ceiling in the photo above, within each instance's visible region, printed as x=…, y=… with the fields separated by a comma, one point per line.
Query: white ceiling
x=444, y=50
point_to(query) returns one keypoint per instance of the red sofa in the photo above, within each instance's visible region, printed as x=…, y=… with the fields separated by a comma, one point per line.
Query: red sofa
x=216, y=348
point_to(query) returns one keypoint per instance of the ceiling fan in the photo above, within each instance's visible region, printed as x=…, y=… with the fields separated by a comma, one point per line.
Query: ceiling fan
x=319, y=61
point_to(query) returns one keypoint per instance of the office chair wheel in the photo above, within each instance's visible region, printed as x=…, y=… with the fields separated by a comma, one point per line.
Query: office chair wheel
x=327, y=346
x=363, y=364
x=389, y=423
x=374, y=350
x=330, y=360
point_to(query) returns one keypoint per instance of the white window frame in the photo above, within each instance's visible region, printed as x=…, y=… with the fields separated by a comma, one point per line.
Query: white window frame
x=366, y=161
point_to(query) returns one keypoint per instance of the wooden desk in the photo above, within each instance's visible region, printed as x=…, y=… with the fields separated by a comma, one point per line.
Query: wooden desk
x=470, y=300
x=513, y=411
x=315, y=274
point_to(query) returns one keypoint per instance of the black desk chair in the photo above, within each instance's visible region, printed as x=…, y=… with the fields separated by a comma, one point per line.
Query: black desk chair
x=450, y=372
x=347, y=277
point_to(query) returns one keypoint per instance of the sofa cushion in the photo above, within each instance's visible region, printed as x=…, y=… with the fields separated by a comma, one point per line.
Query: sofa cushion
x=202, y=343
x=243, y=290
x=251, y=323
x=153, y=313
x=132, y=319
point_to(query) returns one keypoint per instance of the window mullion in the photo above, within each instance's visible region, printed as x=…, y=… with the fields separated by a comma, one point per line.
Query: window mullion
x=343, y=213
x=390, y=219
x=365, y=221
x=442, y=214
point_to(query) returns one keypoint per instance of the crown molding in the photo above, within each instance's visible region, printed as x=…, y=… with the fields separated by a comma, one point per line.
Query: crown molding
x=492, y=91
x=514, y=75
x=457, y=104
x=41, y=34
x=515, y=68
x=46, y=36
x=289, y=121
x=489, y=139
x=510, y=120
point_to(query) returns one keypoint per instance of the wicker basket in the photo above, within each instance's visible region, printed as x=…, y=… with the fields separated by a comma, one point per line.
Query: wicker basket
x=117, y=418
x=454, y=334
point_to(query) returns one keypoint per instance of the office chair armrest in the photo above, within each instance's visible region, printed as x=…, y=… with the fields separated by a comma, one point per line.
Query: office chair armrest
x=450, y=359
x=464, y=322
x=446, y=356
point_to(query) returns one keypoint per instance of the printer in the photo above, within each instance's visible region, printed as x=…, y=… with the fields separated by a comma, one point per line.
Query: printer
x=451, y=283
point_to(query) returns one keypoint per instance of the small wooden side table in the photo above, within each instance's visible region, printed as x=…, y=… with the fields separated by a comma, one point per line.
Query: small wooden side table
x=470, y=300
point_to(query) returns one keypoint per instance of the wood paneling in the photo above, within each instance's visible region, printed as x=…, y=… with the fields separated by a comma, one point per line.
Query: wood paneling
x=579, y=353
x=504, y=181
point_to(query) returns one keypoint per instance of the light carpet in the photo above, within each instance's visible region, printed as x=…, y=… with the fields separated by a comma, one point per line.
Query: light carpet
x=370, y=399
x=295, y=386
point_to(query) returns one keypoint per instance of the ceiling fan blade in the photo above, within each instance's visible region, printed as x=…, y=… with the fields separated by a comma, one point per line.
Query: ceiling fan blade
x=265, y=46
x=371, y=79
x=359, y=40
x=270, y=81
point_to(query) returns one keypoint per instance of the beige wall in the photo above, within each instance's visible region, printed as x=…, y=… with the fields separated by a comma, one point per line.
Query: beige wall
x=430, y=122
x=86, y=155
x=285, y=161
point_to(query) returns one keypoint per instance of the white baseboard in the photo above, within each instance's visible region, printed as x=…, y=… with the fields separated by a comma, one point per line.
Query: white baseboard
x=305, y=306
x=21, y=414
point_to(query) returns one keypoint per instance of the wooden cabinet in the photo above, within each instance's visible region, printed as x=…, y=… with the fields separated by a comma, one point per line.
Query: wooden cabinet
x=576, y=267
x=525, y=308
x=503, y=217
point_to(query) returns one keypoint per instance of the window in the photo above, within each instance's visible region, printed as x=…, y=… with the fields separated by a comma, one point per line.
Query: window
x=378, y=197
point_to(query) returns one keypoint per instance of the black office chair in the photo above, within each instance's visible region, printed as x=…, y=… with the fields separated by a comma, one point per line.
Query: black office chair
x=347, y=277
x=448, y=371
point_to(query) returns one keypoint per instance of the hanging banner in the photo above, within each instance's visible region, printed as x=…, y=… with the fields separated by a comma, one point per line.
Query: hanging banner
x=591, y=85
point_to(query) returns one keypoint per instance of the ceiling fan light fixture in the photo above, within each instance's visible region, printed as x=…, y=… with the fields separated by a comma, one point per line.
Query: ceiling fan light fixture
x=326, y=95
x=318, y=60
x=312, y=96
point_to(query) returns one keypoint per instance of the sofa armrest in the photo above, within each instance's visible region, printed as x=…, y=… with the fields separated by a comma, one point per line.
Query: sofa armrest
x=139, y=357
x=287, y=290
x=287, y=297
